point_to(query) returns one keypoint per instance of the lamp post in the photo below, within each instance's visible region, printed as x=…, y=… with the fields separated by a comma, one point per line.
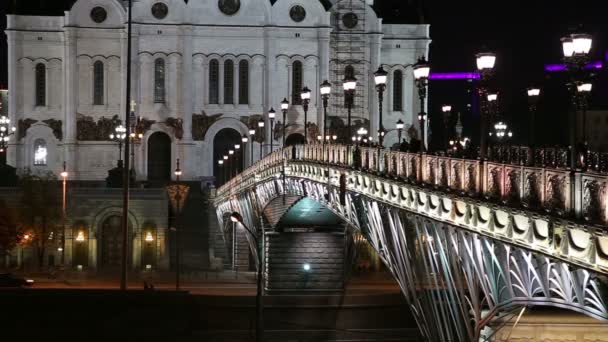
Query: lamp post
x=271, y=115
x=261, y=126
x=178, y=198
x=421, y=75
x=244, y=140
x=284, y=108
x=237, y=155
x=305, y=95
x=230, y=154
x=236, y=218
x=349, y=85
x=399, y=125
x=485, y=64
x=251, y=135
x=119, y=135
x=533, y=94
x=221, y=166
x=64, y=178
x=325, y=93
x=447, y=111
x=380, y=77
x=225, y=157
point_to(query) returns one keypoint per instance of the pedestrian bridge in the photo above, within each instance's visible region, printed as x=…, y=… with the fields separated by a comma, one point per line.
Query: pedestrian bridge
x=467, y=241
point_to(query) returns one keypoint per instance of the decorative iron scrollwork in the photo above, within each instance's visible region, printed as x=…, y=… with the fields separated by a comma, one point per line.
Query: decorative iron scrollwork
x=531, y=191
x=594, y=194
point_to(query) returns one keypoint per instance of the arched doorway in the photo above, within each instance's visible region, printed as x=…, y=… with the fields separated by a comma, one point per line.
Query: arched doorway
x=223, y=142
x=159, y=158
x=111, y=243
x=294, y=139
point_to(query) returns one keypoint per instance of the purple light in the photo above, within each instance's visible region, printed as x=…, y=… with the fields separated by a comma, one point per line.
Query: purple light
x=454, y=76
x=561, y=67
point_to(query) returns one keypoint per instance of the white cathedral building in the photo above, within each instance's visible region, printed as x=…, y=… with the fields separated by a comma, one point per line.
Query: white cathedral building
x=203, y=73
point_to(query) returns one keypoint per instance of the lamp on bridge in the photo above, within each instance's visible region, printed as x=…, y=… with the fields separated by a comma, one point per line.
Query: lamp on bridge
x=305, y=96
x=447, y=112
x=284, y=108
x=485, y=65
x=261, y=126
x=244, y=140
x=271, y=115
x=380, y=77
x=325, y=89
x=349, y=85
x=421, y=75
x=533, y=94
x=251, y=135
x=237, y=155
x=399, y=126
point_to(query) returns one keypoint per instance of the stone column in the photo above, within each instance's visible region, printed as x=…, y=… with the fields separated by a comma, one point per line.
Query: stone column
x=187, y=82
x=324, y=56
x=11, y=106
x=375, y=44
x=70, y=67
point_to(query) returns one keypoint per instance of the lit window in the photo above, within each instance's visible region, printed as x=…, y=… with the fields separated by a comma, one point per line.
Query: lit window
x=40, y=152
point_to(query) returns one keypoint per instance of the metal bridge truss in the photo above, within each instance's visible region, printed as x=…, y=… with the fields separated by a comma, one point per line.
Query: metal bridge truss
x=459, y=263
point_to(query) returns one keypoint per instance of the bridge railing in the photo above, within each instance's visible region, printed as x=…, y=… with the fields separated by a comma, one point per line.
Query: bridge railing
x=555, y=190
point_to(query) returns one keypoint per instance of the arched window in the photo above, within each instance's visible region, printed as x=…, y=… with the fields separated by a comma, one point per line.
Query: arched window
x=229, y=82
x=398, y=91
x=40, y=152
x=40, y=84
x=243, y=82
x=296, y=84
x=214, y=81
x=98, y=83
x=159, y=81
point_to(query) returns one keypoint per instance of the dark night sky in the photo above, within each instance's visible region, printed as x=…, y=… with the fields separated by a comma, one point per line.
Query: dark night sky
x=525, y=35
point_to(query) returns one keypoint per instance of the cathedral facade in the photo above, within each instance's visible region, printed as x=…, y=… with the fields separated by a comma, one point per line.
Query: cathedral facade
x=204, y=72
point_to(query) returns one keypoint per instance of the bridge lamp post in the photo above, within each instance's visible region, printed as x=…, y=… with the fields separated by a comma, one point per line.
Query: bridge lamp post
x=225, y=168
x=178, y=198
x=244, y=140
x=447, y=112
x=349, y=85
x=305, y=96
x=380, y=78
x=237, y=155
x=533, y=94
x=325, y=92
x=259, y=303
x=251, y=135
x=421, y=76
x=230, y=154
x=284, y=108
x=399, y=125
x=261, y=126
x=221, y=166
x=271, y=115
x=485, y=64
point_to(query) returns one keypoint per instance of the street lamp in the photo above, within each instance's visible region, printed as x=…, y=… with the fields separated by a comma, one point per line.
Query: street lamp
x=485, y=64
x=271, y=115
x=261, y=126
x=244, y=140
x=284, y=108
x=251, y=135
x=237, y=155
x=399, y=125
x=64, y=178
x=119, y=135
x=380, y=77
x=236, y=218
x=230, y=154
x=447, y=110
x=305, y=95
x=325, y=92
x=349, y=85
x=178, y=173
x=533, y=94
x=421, y=75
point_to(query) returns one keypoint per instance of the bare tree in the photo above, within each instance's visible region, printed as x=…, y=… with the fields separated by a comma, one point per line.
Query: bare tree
x=10, y=234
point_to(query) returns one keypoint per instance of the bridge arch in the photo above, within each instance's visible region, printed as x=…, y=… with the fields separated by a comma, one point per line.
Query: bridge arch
x=462, y=247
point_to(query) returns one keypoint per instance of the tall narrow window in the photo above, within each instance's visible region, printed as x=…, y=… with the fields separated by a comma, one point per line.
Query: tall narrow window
x=243, y=82
x=40, y=152
x=40, y=84
x=398, y=91
x=296, y=84
x=214, y=82
x=98, y=83
x=159, y=81
x=229, y=82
